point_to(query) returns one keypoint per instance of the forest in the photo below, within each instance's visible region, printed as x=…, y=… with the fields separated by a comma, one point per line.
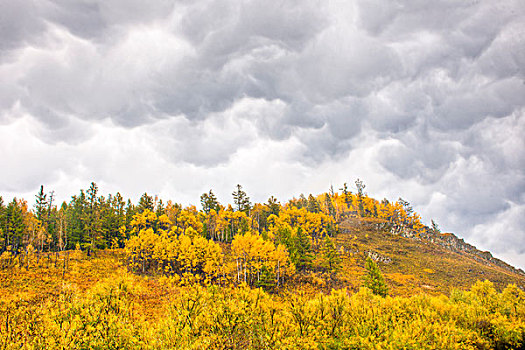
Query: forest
x=102, y=272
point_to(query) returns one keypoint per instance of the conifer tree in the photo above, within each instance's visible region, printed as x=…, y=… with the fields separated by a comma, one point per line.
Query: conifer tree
x=302, y=250
x=302, y=201
x=273, y=206
x=145, y=202
x=313, y=205
x=40, y=204
x=331, y=259
x=329, y=205
x=373, y=278
x=209, y=202
x=346, y=195
x=241, y=200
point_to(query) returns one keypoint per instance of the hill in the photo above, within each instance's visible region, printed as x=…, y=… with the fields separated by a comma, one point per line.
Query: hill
x=333, y=271
x=424, y=263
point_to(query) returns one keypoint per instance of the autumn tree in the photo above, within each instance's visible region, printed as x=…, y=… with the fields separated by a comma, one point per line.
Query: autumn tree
x=373, y=278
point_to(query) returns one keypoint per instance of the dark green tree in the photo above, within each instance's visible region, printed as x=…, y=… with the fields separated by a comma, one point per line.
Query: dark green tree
x=266, y=279
x=302, y=202
x=329, y=205
x=331, y=258
x=346, y=195
x=209, y=202
x=14, y=226
x=41, y=205
x=241, y=200
x=301, y=253
x=435, y=227
x=373, y=278
x=160, y=209
x=145, y=202
x=273, y=206
x=313, y=205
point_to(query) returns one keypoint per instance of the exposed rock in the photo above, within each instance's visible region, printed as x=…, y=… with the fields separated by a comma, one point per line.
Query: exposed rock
x=378, y=257
x=449, y=241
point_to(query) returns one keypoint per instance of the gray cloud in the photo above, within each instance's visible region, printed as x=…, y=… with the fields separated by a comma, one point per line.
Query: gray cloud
x=424, y=97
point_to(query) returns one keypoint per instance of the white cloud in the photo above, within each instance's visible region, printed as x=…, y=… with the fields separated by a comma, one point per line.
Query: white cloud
x=420, y=100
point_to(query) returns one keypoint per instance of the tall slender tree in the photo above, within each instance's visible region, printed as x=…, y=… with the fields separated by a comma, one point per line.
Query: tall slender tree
x=241, y=200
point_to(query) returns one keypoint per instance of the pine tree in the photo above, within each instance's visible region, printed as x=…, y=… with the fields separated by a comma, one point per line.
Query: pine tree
x=346, y=195
x=331, y=258
x=373, y=279
x=302, y=250
x=41, y=204
x=329, y=205
x=435, y=227
x=313, y=205
x=302, y=202
x=145, y=202
x=273, y=206
x=209, y=202
x=241, y=200
x=266, y=279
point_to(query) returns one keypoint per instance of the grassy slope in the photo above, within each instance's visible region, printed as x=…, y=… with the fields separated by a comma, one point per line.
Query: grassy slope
x=416, y=266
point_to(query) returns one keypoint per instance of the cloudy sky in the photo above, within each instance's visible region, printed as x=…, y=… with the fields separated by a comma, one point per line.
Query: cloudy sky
x=420, y=99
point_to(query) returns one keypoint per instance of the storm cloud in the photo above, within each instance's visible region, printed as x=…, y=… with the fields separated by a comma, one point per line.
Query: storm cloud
x=420, y=100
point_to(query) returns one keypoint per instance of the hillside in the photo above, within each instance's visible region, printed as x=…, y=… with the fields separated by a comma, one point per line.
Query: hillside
x=333, y=271
x=413, y=264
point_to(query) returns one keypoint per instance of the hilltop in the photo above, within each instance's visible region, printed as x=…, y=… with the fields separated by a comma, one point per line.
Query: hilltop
x=333, y=271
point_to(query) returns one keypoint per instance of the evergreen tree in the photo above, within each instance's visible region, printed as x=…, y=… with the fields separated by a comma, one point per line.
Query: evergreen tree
x=329, y=205
x=373, y=278
x=435, y=227
x=93, y=224
x=160, y=208
x=2, y=223
x=273, y=206
x=241, y=200
x=346, y=195
x=266, y=279
x=14, y=226
x=331, y=258
x=145, y=202
x=302, y=202
x=301, y=254
x=41, y=204
x=313, y=205
x=406, y=206
x=209, y=202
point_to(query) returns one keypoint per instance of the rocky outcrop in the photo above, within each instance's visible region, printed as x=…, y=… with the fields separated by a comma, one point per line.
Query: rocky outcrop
x=378, y=257
x=449, y=241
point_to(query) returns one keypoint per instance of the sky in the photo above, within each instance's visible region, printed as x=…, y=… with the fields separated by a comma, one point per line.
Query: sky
x=423, y=100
